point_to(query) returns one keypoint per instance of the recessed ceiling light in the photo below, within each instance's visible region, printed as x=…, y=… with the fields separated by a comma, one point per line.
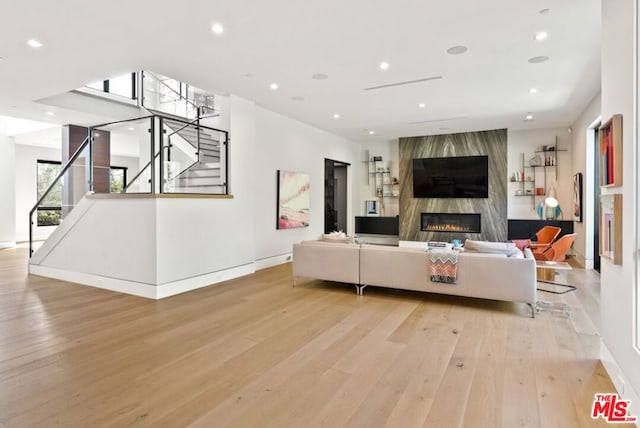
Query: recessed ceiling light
x=457, y=50
x=50, y=113
x=542, y=35
x=96, y=134
x=372, y=132
x=422, y=105
x=319, y=76
x=336, y=116
x=217, y=28
x=384, y=65
x=131, y=128
x=273, y=86
x=538, y=59
x=529, y=116
x=34, y=43
x=544, y=11
x=533, y=90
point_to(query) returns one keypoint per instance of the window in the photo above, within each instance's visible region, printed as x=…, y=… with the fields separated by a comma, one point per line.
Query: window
x=118, y=179
x=50, y=209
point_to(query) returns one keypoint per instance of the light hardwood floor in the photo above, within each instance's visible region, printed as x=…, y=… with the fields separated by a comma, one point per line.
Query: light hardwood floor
x=257, y=352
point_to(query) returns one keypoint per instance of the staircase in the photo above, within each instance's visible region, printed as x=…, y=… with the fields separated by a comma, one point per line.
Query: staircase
x=204, y=175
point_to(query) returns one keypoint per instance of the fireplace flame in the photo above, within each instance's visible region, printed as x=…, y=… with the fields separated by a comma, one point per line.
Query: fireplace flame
x=447, y=228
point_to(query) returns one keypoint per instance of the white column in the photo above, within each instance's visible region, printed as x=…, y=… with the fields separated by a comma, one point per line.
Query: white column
x=7, y=189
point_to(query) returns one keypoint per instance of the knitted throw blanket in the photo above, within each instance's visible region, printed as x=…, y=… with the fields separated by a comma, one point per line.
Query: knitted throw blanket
x=444, y=266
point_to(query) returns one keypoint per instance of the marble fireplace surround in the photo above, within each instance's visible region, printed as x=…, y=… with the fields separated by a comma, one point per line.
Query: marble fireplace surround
x=493, y=209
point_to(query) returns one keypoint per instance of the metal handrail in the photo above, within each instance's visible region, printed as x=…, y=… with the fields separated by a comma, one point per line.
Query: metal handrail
x=64, y=169
x=170, y=88
x=102, y=125
x=135, y=177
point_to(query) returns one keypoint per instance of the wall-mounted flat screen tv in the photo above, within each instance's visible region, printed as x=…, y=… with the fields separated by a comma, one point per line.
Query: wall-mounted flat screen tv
x=451, y=177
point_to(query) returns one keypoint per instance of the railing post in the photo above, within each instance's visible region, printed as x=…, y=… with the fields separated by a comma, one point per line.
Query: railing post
x=90, y=137
x=161, y=134
x=226, y=163
x=153, y=155
x=31, y=234
x=198, y=131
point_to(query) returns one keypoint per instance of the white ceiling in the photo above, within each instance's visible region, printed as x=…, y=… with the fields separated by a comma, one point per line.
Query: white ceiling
x=287, y=41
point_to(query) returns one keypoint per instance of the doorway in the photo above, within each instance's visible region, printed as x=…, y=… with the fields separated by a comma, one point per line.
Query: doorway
x=335, y=196
x=596, y=200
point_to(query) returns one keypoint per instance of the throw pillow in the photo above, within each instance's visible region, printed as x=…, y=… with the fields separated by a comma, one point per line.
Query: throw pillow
x=507, y=248
x=337, y=237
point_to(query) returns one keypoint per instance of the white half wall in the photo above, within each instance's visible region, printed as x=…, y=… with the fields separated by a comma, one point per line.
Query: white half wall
x=286, y=144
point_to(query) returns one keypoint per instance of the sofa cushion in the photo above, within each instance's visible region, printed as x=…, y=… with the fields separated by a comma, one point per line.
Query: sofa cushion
x=506, y=248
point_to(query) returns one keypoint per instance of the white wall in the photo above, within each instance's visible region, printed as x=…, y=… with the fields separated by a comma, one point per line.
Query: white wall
x=527, y=142
x=618, y=282
x=365, y=187
x=7, y=189
x=198, y=236
x=286, y=144
x=583, y=246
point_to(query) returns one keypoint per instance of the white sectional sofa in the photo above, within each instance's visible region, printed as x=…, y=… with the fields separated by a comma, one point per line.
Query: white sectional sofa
x=481, y=275
x=327, y=260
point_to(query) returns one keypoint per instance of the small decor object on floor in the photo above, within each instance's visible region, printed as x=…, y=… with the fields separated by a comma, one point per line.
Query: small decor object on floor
x=444, y=266
x=293, y=200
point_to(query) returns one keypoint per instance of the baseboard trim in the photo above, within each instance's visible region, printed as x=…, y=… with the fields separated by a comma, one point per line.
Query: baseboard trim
x=620, y=381
x=7, y=244
x=140, y=289
x=268, y=262
x=183, y=285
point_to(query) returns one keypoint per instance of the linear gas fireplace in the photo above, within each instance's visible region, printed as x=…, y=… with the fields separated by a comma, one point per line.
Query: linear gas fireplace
x=450, y=222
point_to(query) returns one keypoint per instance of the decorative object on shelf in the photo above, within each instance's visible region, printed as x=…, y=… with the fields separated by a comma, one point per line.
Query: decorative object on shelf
x=394, y=180
x=293, y=200
x=610, y=144
x=372, y=207
x=539, y=191
x=519, y=192
x=611, y=227
x=377, y=159
x=535, y=161
x=550, y=208
x=577, y=197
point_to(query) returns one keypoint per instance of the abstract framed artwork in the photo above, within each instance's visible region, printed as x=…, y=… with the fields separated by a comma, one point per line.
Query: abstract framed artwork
x=293, y=200
x=577, y=197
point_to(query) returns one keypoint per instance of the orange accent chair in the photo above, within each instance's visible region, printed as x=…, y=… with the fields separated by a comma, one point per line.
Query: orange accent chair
x=558, y=250
x=544, y=237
